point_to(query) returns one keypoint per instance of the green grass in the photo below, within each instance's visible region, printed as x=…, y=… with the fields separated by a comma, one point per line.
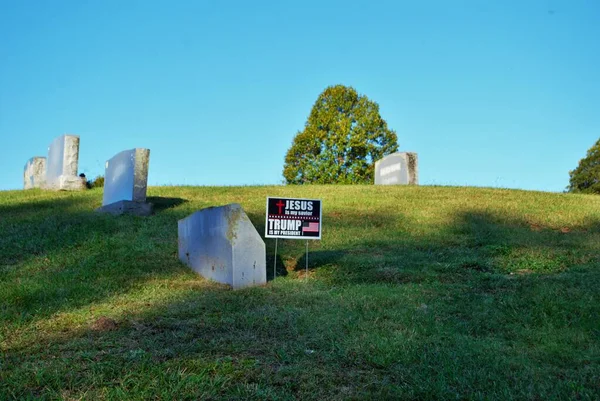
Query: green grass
x=413, y=293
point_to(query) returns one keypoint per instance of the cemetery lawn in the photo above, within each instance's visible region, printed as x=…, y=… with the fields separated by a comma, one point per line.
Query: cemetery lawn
x=413, y=293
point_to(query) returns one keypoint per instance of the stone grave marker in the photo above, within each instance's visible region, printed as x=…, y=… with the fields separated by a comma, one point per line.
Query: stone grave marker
x=220, y=243
x=62, y=164
x=34, y=175
x=399, y=168
x=125, y=183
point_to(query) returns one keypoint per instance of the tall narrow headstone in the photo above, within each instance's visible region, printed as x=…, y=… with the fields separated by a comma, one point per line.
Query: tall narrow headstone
x=125, y=183
x=399, y=168
x=220, y=243
x=34, y=174
x=62, y=164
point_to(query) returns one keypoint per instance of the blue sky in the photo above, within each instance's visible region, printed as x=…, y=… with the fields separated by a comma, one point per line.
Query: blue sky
x=488, y=93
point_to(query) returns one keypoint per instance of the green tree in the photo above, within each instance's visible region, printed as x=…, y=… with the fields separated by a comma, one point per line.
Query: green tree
x=586, y=177
x=342, y=138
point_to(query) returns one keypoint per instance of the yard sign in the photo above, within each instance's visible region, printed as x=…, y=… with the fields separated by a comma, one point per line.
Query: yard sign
x=293, y=218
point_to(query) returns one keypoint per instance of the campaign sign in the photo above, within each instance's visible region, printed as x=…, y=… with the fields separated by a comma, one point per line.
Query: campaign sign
x=293, y=218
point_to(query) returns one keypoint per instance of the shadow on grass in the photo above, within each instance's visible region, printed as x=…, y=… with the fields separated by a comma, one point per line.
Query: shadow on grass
x=41, y=227
x=275, y=265
x=207, y=342
x=474, y=242
x=162, y=203
x=58, y=254
x=35, y=206
x=466, y=328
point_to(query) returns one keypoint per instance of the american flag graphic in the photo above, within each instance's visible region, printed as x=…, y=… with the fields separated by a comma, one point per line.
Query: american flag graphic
x=310, y=227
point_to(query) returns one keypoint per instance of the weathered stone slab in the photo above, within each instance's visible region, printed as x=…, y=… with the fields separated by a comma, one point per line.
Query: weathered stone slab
x=126, y=176
x=220, y=243
x=62, y=164
x=399, y=168
x=127, y=207
x=34, y=175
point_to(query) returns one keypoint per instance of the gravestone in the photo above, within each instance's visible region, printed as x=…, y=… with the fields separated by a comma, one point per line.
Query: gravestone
x=34, y=175
x=399, y=168
x=221, y=244
x=125, y=183
x=62, y=163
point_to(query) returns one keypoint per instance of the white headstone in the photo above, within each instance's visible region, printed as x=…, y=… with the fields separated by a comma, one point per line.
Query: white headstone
x=125, y=183
x=399, y=168
x=126, y=176
x=220, y=243
x=62, y=164
x=34, y=174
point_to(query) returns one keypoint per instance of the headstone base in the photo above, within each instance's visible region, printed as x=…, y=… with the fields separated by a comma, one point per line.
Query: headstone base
x=68, y=183
x=127, y=207
x=72, y=183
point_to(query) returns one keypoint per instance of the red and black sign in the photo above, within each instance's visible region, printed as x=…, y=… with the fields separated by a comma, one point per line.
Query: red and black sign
x=293, y=218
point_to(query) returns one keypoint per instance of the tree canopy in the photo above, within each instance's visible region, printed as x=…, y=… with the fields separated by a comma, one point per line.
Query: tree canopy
x=586, y=177
x=342, y=138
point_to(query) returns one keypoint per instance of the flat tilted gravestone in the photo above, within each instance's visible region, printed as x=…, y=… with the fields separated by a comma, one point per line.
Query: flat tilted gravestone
x=125, y=183
x=399, y=168
x=62, y=164
x=34, y=174
x=221, y=244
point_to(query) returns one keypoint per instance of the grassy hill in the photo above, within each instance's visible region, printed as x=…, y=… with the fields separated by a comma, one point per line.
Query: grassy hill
x=414, y=293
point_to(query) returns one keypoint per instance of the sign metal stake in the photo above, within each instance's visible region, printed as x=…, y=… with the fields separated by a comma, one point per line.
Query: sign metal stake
x=275, y=261
x=306, y=260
